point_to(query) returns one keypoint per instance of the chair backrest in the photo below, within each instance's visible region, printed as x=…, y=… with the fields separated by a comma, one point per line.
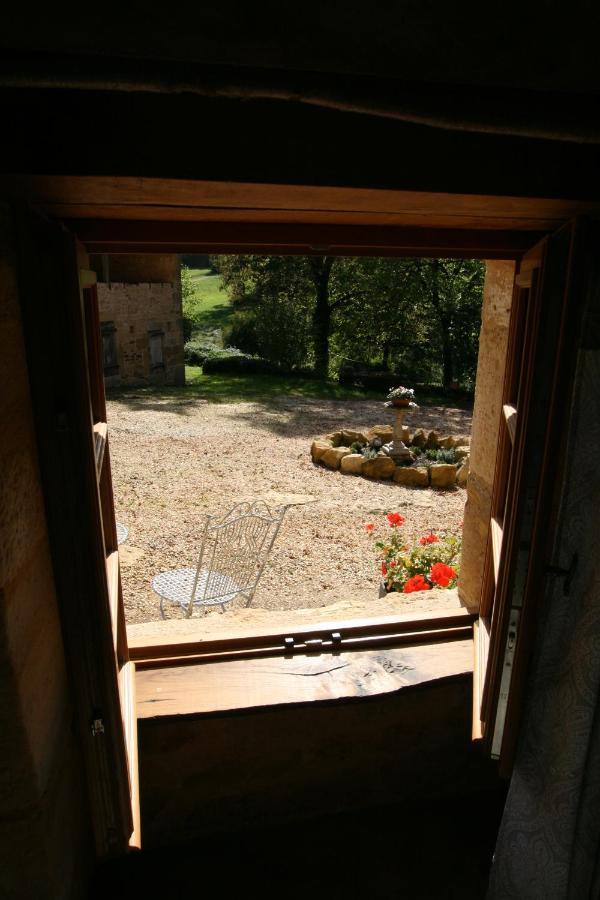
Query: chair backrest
x=235, y=547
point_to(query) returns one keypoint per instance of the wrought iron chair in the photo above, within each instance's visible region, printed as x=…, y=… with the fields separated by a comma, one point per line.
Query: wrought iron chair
x=233, y=554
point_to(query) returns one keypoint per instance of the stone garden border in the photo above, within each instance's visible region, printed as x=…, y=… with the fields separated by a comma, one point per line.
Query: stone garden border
x=333, y=451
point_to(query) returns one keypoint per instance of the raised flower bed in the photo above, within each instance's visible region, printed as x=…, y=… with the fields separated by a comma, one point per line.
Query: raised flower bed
x=440, y=461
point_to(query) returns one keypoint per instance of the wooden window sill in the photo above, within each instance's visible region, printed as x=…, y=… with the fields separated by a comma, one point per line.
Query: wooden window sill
x=180, y=674
x=217, y=687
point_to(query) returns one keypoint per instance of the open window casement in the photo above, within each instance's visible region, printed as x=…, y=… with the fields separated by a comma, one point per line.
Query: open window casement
x=545, y=326
x=63, y=337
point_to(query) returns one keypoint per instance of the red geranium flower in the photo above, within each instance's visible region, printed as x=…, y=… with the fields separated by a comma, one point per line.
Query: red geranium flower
x=429, y=539
x=416, y=583
x=441, y=574
x=393, y=563
x=395, y=519
x=369, y=527
x=383, y=569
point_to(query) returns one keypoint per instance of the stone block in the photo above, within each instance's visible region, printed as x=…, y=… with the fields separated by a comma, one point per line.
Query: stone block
x=350, y=437
x=333, y=457
x=419, y=438
x=318, y=448
x=335, y=437
x=352, y=464
x=442, y=475
x=417, y=476
x=385, y=433
x=380, y=467
x=462, y=452
x=448, y=442
x=433, y=440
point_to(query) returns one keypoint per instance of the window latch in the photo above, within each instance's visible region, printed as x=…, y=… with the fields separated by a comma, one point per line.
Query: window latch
x=97, y=727
x=567, y=574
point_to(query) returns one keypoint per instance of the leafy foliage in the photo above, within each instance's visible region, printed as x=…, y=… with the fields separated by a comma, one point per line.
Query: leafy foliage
x=415, y=565
x=387, y=319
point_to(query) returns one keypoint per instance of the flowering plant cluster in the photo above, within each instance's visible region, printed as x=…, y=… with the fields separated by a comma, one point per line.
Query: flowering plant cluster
x=408, y=565
x=401, y=393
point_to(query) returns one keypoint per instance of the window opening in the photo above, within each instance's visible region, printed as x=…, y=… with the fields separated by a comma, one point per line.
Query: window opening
x=110, y=360
x=253, y=437
x=156, y=340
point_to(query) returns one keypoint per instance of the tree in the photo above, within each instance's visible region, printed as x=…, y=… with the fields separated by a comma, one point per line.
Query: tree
x=418, y=317
x=452, y=290
x=300, y=289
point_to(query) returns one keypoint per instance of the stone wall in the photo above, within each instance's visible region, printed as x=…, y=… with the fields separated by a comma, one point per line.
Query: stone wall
x=493, y=341
x=45, y=837
x=145, y=323
x=136, y=268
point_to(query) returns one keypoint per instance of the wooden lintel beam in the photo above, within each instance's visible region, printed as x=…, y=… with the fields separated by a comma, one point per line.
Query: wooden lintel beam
x=140, y=236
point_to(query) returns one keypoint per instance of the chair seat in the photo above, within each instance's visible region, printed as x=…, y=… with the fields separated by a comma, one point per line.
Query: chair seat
x=176, y=586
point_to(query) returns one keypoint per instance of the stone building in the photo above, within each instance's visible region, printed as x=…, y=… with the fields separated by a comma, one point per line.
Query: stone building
x=139, y=300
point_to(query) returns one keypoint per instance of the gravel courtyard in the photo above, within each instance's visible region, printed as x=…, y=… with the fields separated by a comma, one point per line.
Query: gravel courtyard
x=175, y=459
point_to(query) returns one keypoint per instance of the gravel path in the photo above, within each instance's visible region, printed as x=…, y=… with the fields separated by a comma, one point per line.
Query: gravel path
x=174, y=460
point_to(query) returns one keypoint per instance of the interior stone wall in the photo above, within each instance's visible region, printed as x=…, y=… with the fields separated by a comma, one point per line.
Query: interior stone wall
x=493, y=342
x=45, y=838
x=136, y=310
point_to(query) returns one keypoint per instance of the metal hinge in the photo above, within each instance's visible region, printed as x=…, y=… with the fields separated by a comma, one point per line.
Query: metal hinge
x=328, y=643
x=509, y=657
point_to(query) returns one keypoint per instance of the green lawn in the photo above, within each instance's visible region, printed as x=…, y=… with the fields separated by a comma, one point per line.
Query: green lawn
x=232, y=388
x=261, y=388
x=210, y=308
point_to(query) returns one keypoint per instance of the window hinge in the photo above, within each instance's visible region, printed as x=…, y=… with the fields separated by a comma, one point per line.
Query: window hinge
x=331, y=642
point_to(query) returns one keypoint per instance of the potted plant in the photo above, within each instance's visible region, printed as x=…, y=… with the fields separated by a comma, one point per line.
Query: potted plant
x=401, y=396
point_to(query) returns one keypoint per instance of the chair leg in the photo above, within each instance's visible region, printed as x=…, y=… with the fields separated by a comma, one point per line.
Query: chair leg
x=162, y=611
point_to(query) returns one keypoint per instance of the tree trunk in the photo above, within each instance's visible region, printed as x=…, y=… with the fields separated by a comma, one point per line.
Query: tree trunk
x=445, y=322
x=386, y=355
x=321, y=320
x=447, y=361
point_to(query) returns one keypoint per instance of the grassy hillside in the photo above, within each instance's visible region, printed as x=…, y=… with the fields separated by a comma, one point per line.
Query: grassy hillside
x=209, y=308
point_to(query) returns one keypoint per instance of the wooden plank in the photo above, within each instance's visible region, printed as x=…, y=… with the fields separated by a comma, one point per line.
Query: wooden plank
x=112, y=575
x=510, y=416
x=100, y=431
x=336, y=645
x=55, y=335
x=250, y=684
x=90, y=194
x=127, y=690
x=497, y=532
x=146, y=236
x=181, y=637
x=93, y=340
x=481, y=643
x=73, y=211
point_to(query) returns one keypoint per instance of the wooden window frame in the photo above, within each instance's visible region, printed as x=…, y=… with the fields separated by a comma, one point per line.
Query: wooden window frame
x=546, y=320
x=67, y=431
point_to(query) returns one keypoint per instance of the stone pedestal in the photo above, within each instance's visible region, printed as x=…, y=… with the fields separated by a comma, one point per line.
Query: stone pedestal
x=398, y=449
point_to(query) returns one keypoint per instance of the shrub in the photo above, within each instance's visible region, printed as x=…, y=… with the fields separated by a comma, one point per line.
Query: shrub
x=238, y=363
x=195, y=352
x=243, y=333
x=440, y=456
